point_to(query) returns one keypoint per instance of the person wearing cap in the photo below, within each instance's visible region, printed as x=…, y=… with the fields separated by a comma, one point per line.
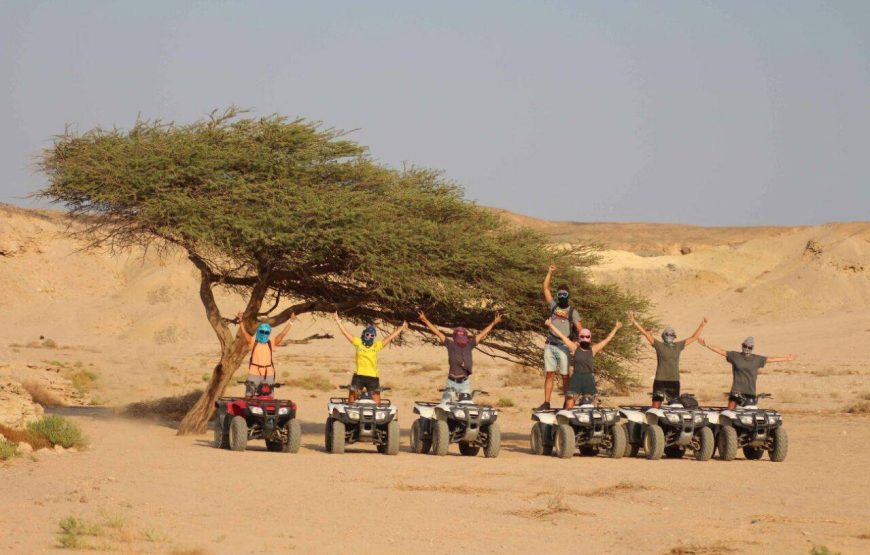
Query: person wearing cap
x=667, y=380
x=367, y=376
x=261, y=367
x=582, y=382
x=744, y=368
x=556, y=353
x=460, y=347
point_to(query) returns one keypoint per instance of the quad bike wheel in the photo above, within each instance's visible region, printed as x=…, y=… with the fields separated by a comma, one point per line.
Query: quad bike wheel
x=617, y=443
x=726, y=443
x=753, y=453
x=336, y=437
x=706, y=444
x=418, y=443
x=674, y=452
x=221, y=430
x=440, y=437
x=393, y=433
x=493, y=441
x=294, y=437
x=238, y=433
x=779, y=450
x=631, y=449
x=540, y=433
x=654, y=442
x=327, y=433
x=468, y=449
x=565, y=441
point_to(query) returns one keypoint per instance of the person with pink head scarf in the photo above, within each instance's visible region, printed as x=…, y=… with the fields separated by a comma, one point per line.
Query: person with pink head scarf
x=582, y=382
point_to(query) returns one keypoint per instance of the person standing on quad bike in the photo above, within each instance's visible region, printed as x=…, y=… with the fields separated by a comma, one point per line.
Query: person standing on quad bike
x=667, y=380
x=744, y=368
x=367, y=375
x=583, y=378
x=460, y=348
x=260, y=366
x=556, y=353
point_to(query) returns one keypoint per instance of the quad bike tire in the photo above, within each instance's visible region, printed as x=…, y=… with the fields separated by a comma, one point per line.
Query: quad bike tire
x=468, y=449
x=221, y=430
x=726, y=443
x=294, y=437
x=337, y=430
x=779, y=451
x=674, y=452
x=753, y=453
x=565, y=441
x=706, y=444
x=537, y=439
x=393, y=434
x=440, y=437
x=618, y=443
x=654, y=442
x=238, y=433
x=493, y=441
x=327, y=434
x=418, y=443
x=631, y=449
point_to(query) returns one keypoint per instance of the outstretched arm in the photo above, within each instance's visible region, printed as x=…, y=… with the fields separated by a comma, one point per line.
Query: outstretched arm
x=248, y=337
x=697, y=333
x=788, y=358
x=432, y=327
x=558, y=333
x=280, y=337
x=344, y=331
x=643, y=331
x=548, y=296
x=395, y=334
x=485, y=331
x=603, y=343
x=717, y=350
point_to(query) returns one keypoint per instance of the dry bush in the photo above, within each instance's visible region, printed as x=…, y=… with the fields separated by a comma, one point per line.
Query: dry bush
x=621, y=487
x=40, y=395
x=188, y=551
x=13, y=435
x=556, y=505
x=7, y=449
x=864, y=396
x=445, y=488
x=861, y=407
x=53, y=430
x=169, y=408
x=49, y=344
x=423, y=369
x=505, y=403
x=311, y=382
x=83, y=381
x=521, y=376
x=714, y=549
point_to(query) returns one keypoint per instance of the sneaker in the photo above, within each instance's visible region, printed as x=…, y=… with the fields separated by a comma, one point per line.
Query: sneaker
x=544, y=406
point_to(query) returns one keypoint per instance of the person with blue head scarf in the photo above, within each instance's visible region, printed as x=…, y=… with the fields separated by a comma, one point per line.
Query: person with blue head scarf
x=367, y=376
x=260, y=366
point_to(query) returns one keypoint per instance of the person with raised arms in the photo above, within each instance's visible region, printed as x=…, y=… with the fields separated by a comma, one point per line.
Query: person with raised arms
x=582, y=381
x=367, y=375
x=261, y=367
x=556, y=354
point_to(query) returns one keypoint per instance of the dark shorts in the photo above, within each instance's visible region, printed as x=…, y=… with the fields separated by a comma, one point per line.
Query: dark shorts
x=368, y=383
x=742, y=399
x=671, y=389
x=581, y=384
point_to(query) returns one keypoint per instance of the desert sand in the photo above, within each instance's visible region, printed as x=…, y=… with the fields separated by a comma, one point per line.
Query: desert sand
x=133, y=322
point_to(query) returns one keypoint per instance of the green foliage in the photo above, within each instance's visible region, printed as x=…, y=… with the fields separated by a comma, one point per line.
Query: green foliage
x=270, y=206
x=7, y=449
x=73, y=532
x=822, y=550
x=55, y=430
x=505, y=402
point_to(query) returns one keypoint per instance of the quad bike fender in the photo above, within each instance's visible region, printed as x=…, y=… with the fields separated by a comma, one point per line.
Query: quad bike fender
x=652, y=416
x=544, y=418
x=712, y=417
x=236, y=408
x=564, y=417
x=634, y=416
x=440, y=413
x=425, y=411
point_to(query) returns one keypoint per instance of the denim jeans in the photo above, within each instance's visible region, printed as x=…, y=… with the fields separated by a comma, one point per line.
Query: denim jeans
x=457, y=387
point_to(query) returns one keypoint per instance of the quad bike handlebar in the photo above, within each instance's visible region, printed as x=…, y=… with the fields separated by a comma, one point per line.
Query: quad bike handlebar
x=473, y=391
x=245, y=382
x=350, y=387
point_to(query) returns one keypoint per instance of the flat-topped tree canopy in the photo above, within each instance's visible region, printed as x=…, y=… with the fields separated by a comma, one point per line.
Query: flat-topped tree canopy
x=278, y=208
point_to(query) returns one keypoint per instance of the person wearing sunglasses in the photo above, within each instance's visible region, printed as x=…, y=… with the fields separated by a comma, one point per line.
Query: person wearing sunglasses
x=556, y=354
x=460, y=347
x=260, y=366
x=667, y=380
x=367, y=376
x=744, y=369
x=582, y=381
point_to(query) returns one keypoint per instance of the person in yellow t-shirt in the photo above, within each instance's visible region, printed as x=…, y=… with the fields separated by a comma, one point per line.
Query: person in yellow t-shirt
x=366, y=375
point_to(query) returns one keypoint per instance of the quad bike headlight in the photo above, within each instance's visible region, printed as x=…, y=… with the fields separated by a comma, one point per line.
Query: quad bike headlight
x=257, y=410
x=380, y=415
x=584, y=418
x=283, y=410
x=459, y=413
x=353, y=414
x=484, y=414
x=699, y=418
x=747, y=420
x=673, y=418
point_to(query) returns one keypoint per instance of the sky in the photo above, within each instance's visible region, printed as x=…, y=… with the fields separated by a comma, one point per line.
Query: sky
x=708, y=113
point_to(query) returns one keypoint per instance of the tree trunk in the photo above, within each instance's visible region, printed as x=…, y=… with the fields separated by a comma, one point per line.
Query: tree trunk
x=196, y=419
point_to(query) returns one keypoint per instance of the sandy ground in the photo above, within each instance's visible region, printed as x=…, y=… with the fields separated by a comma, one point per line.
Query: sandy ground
x=136, y=325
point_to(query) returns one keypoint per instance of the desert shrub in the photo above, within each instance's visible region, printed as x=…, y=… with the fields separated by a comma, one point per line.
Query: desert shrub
x=55, y=430
x=822, y=550
x=861, y=407
x=7, y=449
x=40, y=395
x=311, y=381
x=521, y=376
x=83, y=380
x=504, y=403
x=73, y=531
x=13, y=435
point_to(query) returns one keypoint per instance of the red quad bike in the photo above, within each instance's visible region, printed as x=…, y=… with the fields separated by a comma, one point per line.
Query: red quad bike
x=260, y=416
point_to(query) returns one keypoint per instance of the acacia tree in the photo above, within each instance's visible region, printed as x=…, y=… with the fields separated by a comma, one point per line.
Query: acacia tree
x=279, y=209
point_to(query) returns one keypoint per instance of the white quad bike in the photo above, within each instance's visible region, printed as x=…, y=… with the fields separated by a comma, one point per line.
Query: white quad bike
x=362, y=420
x=589, y=426
x=668, y=430
x=753, y=429
x=459, y=420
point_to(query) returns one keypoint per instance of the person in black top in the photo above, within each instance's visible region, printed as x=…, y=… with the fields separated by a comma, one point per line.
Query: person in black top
x=582, y=380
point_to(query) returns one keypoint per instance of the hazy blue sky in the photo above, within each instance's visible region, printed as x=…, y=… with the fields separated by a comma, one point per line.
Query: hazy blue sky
x=694, y=112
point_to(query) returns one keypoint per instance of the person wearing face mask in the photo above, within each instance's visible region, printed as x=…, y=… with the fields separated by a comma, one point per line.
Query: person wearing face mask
x=460, y=347
x=667, y=380
x=556, y=353
x=744, y=368
x=260, y=366
x=583, y=378
x=367, y=376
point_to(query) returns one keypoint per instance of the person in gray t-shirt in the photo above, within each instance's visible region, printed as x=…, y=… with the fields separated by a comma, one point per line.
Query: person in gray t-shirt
x=667, y=380
x=744, y=367
x=567, y=320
